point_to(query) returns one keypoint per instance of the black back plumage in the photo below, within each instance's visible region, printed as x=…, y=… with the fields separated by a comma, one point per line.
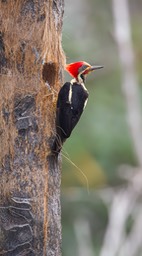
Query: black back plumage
x=70, y=105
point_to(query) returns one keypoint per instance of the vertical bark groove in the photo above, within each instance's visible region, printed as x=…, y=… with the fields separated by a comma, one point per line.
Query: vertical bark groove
x=31, y=64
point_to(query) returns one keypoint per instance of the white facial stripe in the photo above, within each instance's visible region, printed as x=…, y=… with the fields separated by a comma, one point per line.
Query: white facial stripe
x=80, y=80
x=83, y=85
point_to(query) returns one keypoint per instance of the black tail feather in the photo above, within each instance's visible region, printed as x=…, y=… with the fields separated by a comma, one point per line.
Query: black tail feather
x=57, y=144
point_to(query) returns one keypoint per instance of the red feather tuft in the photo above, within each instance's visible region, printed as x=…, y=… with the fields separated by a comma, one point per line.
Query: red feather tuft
x=73, y=68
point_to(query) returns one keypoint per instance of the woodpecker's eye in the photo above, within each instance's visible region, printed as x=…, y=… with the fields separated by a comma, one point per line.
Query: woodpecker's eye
x=83, y=68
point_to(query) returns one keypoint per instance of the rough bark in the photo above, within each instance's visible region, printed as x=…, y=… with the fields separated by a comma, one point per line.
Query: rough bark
x=31, y=63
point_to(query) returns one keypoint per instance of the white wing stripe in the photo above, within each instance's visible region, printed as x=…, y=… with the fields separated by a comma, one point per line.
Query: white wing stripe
x=70, y=94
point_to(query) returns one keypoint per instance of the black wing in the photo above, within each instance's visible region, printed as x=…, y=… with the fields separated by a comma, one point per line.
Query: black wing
x=69, y=111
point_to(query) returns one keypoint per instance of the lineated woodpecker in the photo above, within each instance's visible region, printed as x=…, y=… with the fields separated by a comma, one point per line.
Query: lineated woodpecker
x=72, y=100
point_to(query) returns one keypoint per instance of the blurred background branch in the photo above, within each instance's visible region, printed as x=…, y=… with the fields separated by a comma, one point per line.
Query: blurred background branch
x=107, y=143
x=130, y=87
x=116, y=242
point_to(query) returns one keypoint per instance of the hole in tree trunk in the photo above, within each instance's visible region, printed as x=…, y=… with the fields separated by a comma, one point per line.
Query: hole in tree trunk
x=49, y=73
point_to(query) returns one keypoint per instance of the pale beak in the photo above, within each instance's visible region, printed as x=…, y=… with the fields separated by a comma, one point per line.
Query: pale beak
x=94, y=68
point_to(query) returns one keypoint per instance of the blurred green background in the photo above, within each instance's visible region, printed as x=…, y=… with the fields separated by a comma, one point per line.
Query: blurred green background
x=101, y=142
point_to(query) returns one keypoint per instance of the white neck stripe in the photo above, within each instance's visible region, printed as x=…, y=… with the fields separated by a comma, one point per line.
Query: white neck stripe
x=75, y=81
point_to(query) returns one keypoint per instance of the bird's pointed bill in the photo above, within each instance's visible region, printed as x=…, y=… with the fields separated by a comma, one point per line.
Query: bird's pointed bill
x=92, y=68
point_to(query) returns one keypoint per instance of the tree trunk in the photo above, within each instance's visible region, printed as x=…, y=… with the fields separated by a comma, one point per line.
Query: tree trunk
x=31, y=63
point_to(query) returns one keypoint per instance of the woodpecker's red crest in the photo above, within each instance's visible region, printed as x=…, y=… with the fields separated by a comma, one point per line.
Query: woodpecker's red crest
x=80, y=67
x=71, y=102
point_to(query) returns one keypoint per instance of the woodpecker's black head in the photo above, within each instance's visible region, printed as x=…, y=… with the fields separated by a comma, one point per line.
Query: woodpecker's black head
x=80, y=69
